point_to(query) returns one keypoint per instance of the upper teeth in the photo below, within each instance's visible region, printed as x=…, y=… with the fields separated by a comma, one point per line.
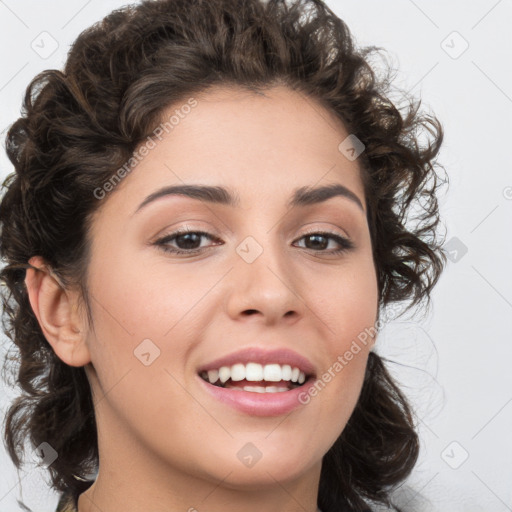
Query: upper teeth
x=256, y=372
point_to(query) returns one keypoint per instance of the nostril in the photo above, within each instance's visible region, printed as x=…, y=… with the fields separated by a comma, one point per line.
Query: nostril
x=250, y=311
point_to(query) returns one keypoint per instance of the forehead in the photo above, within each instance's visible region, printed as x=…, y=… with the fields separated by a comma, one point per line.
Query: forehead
x=255, y=143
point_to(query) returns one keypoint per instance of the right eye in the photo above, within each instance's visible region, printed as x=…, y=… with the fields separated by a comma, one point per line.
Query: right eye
x=187, y=242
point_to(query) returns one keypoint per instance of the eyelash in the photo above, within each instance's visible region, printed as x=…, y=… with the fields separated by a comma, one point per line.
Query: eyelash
x=345, y=243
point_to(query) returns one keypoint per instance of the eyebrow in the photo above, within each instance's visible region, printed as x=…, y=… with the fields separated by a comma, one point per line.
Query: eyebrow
x=303, y=196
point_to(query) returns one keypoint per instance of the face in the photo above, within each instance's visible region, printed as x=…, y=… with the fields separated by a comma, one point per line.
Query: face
x=288, y=284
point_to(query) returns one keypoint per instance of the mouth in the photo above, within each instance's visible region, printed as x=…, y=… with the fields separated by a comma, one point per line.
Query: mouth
x=258, y=381
x=257, y=378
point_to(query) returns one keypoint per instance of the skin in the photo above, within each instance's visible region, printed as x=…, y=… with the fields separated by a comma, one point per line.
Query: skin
x=164, y=443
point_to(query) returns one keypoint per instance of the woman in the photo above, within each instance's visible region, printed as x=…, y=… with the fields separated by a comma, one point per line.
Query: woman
x=210, y=209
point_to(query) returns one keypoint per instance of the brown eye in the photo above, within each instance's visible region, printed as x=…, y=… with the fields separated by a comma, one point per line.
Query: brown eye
x=318, y=242
x=185, y=242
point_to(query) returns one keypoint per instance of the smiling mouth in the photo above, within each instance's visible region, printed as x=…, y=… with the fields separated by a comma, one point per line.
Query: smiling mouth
x=256, y=378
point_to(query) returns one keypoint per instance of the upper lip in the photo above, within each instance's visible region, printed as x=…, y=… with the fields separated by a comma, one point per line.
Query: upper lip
x=258, y=355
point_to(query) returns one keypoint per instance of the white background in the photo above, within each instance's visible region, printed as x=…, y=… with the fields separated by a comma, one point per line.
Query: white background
x=455, y=363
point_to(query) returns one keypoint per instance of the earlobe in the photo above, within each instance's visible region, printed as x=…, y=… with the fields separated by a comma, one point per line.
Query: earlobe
x=54, y=307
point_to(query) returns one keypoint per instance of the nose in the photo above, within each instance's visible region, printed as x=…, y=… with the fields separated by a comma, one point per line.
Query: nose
x=264, y=290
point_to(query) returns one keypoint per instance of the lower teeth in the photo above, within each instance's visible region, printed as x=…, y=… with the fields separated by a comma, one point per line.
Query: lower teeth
x=255, y=389
x=260, y=389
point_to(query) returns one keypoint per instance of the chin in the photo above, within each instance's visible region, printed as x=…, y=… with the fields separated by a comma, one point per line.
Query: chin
x=259, y=464
x=264, y=474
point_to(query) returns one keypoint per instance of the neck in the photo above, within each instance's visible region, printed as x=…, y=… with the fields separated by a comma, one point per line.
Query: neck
x=137, y=479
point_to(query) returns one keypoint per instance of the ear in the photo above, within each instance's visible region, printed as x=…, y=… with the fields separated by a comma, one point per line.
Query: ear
x=57, y=313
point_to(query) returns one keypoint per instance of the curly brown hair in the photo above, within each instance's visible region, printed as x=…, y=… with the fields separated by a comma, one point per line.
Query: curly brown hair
x=81, y=124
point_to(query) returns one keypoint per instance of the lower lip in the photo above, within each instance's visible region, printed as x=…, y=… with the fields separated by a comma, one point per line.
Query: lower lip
x=260, y=404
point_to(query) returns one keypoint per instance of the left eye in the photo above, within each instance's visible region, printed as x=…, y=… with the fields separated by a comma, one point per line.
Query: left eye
x=321, y=241
x=189, y=242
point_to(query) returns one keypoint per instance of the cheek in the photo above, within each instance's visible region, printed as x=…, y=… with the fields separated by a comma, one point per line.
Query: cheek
x=140, y=346
x=347, y=301
x=140, y=300
x=146, y=318
x=347, y=305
